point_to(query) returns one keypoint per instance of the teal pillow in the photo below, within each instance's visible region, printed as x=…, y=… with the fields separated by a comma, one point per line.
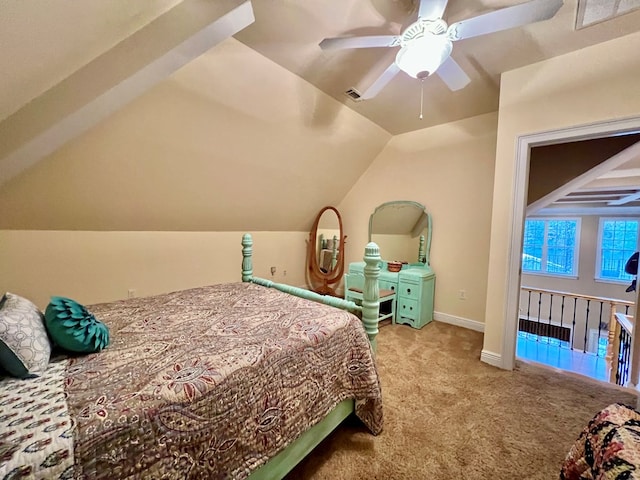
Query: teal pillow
x=72, y=327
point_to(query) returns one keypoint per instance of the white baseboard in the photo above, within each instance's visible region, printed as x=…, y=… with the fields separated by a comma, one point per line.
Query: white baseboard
x=491, y=358
x=459, y=321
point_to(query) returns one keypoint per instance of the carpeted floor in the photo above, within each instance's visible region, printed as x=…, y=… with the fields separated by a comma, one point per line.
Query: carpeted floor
x=450, y=416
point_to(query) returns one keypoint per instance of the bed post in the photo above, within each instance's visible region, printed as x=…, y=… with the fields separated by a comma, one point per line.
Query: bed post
x=371, y=292
x=247, y=251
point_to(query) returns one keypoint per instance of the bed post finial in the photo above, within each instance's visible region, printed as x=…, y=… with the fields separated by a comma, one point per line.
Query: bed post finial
x=371, y=292
x=247, y=251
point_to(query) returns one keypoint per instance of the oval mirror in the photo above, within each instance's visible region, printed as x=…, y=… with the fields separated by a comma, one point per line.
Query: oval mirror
x=325, y=252
x=402, y=230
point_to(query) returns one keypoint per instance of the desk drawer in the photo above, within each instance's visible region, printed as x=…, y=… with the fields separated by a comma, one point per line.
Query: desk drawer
x=387, y=285
x=407, y=308
x=409, y=290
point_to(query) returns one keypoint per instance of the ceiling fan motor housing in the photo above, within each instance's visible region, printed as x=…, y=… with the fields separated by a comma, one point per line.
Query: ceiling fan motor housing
x=425, y=46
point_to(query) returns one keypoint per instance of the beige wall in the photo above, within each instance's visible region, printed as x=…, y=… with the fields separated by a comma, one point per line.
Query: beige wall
x=155, y=198
x=449, y=169
x=592, y=85
x=94, y=267
x=230, y=142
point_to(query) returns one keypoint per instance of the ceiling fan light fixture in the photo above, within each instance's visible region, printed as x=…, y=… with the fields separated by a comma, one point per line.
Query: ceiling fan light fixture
x=422, y=56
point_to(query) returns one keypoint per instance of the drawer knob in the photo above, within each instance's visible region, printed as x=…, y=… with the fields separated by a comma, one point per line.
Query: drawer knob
x=408, y=290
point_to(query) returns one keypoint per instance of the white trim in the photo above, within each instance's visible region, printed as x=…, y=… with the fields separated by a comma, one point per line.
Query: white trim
x=587, y=211
x=459, y=321
x=492, y=358
x=621, y=173
x=518, y=200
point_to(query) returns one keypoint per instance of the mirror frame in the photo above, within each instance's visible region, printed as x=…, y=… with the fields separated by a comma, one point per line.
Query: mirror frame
x=408, y=203
x=321, y=282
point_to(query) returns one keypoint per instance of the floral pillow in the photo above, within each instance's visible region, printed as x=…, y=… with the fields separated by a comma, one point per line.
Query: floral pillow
x=24, y=345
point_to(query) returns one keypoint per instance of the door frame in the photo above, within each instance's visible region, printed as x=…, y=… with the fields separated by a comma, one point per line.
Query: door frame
x=590, y=131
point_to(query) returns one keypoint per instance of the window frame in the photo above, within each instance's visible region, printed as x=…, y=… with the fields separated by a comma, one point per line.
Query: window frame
x=576, y=248
x=598, y=265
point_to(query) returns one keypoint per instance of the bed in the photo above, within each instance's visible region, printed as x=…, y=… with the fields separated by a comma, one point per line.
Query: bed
x=608, y=447
x=236, y=380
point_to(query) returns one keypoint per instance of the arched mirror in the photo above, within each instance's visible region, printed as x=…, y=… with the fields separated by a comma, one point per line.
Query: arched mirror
x=402, y=230
x=325, y=252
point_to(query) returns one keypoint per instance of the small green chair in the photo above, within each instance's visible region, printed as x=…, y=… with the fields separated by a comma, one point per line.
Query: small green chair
x=353, y=291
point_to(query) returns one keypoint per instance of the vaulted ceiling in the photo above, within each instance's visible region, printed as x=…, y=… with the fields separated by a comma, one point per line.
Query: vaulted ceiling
x=45, y=42
x=48, y=48
x=289, y=32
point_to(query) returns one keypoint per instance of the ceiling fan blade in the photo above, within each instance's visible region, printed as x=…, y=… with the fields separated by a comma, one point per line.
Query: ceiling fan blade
x=360, y=42
x=505, y=18
x=380, y=82
x=452, y=74
x=432, y=9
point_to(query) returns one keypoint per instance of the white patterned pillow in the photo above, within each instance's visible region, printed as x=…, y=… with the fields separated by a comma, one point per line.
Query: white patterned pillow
x=24, y=345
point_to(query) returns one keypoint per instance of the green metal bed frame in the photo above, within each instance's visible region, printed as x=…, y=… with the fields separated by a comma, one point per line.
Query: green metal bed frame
x=287, y=459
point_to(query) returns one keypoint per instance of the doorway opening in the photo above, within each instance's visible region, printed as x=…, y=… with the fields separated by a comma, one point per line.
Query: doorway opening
x=523, y=208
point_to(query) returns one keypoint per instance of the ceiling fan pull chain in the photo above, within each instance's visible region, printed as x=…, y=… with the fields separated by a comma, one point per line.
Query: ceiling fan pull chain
x=421, y=96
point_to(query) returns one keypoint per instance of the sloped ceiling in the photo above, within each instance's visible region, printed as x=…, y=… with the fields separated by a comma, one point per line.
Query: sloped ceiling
x=208, y=149
x=289, y=32
x=45, y=42
x=147, y=54
x=327, y=140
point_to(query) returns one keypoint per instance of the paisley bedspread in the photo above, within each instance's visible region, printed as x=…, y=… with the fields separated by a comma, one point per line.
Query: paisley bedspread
x=204, y=383
x=608, y=448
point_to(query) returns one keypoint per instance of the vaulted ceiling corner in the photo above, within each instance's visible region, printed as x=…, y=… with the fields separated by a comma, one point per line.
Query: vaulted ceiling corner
x=114, y=78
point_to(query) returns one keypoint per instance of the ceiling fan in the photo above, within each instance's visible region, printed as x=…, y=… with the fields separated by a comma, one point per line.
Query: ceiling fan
x=426, y=44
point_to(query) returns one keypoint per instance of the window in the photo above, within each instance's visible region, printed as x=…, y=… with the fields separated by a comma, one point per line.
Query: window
x=618, y=240
x=550, y=246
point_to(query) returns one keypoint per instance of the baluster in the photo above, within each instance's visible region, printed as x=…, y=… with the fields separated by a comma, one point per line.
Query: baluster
x=599, y=329
x=615, y=351
x=573, y=329
x=619, y=366
x=562, y=315
x=623, y=364
x=528, y=311
x=611, y=335
x=586, y=327
x=538, y=320
x=549, y=326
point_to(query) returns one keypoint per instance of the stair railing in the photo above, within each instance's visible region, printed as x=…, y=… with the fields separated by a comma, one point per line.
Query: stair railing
x=570, y=316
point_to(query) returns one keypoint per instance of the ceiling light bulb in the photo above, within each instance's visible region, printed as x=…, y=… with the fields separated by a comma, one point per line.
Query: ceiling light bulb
x=422, y=56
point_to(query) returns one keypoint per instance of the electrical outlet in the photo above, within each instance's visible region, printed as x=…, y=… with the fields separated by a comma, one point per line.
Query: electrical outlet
x=131, y=293
x=284, y=273
x=462, y=295
x=273, y=271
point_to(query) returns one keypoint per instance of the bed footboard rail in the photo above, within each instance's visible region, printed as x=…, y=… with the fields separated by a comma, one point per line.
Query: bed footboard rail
x=370, y=304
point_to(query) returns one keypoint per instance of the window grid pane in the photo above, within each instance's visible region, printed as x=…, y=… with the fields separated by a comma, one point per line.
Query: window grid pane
x=619, y=242
x=549, y=246
x=533, y=244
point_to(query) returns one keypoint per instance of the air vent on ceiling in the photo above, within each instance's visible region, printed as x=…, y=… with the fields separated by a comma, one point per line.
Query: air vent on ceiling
x=354, y=95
